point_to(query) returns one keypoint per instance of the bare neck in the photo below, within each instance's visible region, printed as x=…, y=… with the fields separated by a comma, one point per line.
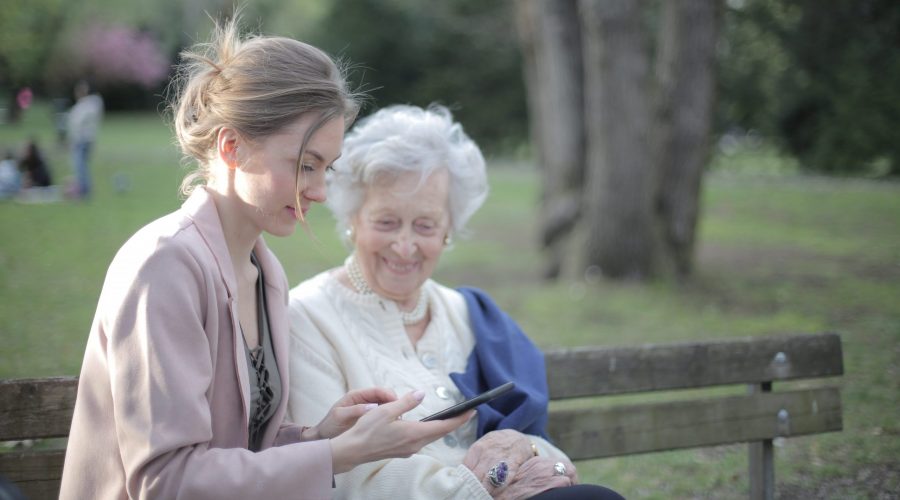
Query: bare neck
x=240, y=237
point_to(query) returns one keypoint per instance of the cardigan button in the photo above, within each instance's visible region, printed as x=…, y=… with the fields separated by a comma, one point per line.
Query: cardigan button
x=442, y=392
x=429, y=360
x=450, y=441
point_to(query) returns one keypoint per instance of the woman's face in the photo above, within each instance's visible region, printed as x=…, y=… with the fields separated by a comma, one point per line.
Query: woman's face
x=399, y=233
x=266, y=180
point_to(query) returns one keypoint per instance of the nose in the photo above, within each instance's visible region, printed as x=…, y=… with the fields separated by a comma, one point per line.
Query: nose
x=315, y=189
x=404, y=245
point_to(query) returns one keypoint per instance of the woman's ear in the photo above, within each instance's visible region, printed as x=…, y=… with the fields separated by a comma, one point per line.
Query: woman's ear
x=227, y=146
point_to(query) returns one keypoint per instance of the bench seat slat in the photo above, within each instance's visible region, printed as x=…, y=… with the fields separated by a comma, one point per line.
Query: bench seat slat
x=599, y=371
x=647, y=427
x=36, y=408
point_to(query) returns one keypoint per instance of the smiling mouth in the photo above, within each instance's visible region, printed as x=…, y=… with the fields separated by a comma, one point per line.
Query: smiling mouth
x=401, y=268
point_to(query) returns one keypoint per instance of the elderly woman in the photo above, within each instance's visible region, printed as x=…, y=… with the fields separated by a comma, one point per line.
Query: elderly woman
x=407, y=182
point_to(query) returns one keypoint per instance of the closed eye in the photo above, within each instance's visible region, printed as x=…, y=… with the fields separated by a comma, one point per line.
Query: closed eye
x=386, y=224
x=425, y=228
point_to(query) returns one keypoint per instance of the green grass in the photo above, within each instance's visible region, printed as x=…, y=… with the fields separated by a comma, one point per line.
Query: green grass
x=779, y=252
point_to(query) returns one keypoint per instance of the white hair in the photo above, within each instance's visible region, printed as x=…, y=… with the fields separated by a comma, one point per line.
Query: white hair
x=400, y=139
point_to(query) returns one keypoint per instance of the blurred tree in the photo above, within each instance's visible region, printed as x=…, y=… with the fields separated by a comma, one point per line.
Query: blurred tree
x=43, y=40
x=116, y=54
x=127, y=65
x=647, y=128
x=841, y=101
x=820, y=77
x=684, y=106
x=750, y=63
x=618, y=194
x=461, y=53
x=553, y=68
x=28, y=31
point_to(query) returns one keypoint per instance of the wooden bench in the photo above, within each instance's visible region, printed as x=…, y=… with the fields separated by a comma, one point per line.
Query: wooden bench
x=756, y=417
x=42, y=408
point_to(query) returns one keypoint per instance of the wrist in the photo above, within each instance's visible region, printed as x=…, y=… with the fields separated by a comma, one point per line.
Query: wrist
x=310, y=434
x=340, y=455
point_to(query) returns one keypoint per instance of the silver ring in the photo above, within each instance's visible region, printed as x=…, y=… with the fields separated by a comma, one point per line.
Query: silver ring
x=559, y=469
x=498, y=474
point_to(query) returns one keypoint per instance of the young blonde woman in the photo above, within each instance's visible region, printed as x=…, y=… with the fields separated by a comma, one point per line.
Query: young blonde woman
x=184, y=384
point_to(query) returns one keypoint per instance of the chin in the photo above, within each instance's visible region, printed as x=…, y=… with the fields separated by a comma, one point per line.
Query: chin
x=404, y=290
x=282, y=230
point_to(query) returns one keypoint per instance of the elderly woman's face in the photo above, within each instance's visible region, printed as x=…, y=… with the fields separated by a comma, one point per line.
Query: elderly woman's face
x=400, y=230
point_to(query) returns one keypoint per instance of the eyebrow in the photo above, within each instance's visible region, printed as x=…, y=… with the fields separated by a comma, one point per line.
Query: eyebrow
x=381, y=211
x=319, y=156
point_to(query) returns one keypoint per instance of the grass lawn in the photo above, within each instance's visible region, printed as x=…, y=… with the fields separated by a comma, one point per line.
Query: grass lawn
x=778, y=253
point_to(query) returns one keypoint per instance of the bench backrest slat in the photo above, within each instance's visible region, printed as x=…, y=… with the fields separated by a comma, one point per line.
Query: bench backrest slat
x=649, y=427
x=598, y=371
x=36, y=408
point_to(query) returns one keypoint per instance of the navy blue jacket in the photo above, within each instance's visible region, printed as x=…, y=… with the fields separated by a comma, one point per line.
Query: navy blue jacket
x=502, y=353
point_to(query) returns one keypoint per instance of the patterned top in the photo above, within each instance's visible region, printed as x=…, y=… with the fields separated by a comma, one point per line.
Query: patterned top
x=265, y=382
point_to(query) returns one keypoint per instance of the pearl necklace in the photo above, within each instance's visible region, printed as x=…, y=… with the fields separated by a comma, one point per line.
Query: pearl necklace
x=359, y=282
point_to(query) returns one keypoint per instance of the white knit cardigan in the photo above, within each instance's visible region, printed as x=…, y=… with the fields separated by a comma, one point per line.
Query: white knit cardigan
x=342, y=340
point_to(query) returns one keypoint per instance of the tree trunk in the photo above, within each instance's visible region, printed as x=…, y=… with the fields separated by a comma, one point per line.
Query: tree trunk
x=551, y=42
x=620, y=193
x=685, y=80
x=625, y=163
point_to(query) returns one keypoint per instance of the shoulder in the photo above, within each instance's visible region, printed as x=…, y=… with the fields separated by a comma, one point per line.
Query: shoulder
x=450, y=306
x=310, y=290
x=310, y=302
x=94, y=101
x=164, y=248
x=164, y=269
x=170, y=232
x=468, y=304
x=450, y=298
x=315, y=323
x=479, y=302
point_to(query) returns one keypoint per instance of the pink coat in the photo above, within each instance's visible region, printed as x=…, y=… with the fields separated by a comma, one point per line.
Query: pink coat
x=162, y=408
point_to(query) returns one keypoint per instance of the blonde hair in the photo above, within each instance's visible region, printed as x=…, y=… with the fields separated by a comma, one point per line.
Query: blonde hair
x=255, y=84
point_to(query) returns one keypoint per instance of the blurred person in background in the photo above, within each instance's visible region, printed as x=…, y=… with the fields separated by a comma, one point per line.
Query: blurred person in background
x=10, y=179
x=183, y=388
x=60, y=119
x=36, y=172
x=406, y=184
x=82, y=127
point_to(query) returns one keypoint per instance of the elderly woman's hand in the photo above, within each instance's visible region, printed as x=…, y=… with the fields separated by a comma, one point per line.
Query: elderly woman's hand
x=505, y=445
x=536, y=475
x=346, y=411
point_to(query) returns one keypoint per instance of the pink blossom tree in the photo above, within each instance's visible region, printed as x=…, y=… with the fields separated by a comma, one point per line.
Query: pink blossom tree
x=116, y=54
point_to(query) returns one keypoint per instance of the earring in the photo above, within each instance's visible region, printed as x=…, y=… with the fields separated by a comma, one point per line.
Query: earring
x=349, y=233
x=448, y=240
